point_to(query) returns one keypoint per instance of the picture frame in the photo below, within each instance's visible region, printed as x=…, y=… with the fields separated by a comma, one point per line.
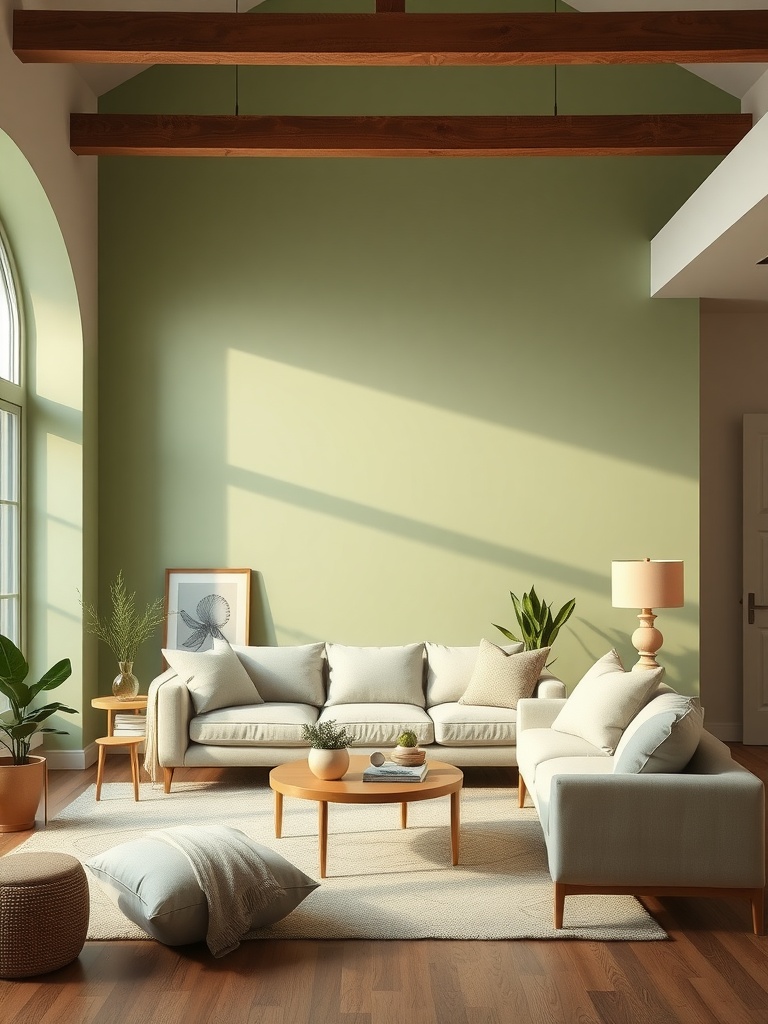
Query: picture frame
x=206, y=604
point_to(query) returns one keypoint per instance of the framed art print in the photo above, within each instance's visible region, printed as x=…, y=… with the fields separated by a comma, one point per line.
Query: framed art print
x=204, y=605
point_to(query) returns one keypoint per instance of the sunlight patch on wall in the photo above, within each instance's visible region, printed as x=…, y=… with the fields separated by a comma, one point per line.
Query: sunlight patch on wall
x=434, y=466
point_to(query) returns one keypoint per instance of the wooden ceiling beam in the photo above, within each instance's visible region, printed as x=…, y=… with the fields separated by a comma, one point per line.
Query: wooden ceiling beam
x=259, y=136
x=162, y=37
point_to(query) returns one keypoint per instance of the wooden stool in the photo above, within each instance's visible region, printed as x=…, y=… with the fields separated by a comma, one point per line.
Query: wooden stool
x=133, y=743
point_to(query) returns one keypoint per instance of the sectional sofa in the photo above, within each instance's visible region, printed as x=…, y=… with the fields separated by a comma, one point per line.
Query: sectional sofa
x=246, y=705
x=635, y=796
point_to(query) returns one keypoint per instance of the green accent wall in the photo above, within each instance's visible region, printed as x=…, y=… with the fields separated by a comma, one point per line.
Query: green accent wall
x=399, y=389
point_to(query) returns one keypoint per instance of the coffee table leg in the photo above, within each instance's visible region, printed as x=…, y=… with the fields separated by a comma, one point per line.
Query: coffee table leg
x=278, y=815
x=455, y=823
x=403, y=815
x=322, y=833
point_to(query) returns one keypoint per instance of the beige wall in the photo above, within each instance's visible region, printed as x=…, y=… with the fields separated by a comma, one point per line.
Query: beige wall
x=48, y=206
x=734, y=380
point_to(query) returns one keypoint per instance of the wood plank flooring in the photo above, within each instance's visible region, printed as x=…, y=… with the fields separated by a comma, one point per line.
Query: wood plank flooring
x=713, y=971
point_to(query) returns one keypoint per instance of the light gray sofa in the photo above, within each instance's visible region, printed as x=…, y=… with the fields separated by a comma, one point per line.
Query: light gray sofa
x=375, y=692
x=657, y=825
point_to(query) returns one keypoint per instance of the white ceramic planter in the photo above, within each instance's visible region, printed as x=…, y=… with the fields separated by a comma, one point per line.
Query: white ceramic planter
x=328, y=764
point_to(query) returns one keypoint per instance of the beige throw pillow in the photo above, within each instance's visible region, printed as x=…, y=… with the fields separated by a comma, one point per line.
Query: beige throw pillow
x=215, y=678
x=500, y=680
x=605, y=701
x=449, y=670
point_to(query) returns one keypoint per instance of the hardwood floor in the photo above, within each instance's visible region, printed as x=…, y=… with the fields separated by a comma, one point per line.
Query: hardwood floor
x=713, y=971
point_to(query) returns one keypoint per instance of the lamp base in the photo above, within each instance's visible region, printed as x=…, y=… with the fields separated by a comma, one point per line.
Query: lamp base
x=647, y=640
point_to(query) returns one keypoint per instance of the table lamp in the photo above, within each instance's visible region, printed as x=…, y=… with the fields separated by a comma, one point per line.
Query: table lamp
x=647, y=584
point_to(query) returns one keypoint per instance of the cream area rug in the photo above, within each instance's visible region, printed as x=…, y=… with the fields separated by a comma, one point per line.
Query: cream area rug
x=383, y=882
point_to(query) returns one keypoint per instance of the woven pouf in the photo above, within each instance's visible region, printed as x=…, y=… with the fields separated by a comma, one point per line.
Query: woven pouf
x=43, y=912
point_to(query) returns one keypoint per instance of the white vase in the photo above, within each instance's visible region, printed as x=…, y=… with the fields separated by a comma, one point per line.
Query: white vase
x=328, y=764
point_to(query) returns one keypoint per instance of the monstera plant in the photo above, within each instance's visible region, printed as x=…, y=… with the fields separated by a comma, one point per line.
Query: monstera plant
x=22, y=775
x=20, y=723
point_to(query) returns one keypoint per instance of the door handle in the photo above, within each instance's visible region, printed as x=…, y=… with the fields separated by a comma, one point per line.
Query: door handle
x=751, y=607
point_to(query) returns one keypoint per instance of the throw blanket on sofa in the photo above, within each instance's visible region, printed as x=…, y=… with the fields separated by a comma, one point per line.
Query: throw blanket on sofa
x=237, y=884
x=151, y=764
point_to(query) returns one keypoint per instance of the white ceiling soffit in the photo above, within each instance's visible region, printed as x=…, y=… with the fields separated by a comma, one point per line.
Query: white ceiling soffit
x=712, y=246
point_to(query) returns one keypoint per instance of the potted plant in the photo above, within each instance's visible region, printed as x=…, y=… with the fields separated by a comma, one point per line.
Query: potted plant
x=124, y=631
x=22, y=775
x=407, y=751
x=328, y=757
x=538, y=627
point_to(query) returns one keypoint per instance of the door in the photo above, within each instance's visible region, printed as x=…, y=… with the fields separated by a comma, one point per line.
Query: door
x=755, y=578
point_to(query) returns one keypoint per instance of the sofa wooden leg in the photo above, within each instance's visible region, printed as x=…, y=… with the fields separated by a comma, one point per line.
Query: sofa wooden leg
x=520, y=789
x=167, y=779
x=559, y=904
x=758, y=911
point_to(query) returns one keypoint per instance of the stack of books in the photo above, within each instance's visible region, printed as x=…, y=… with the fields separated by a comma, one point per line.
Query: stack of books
x=130, y=725
x=391, y=772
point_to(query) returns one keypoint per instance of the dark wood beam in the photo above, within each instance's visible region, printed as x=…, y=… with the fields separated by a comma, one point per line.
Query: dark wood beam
x=230, y=135
x=390, y=6
x=161, y=37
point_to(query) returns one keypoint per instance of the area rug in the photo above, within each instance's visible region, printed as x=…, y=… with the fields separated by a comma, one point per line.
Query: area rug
x=383, y=882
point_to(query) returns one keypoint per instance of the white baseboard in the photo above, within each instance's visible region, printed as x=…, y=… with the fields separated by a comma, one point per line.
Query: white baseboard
x=728, y=732
x=73, y=760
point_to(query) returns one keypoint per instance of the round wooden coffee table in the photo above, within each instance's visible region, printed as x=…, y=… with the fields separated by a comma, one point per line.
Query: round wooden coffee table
x=295, y=779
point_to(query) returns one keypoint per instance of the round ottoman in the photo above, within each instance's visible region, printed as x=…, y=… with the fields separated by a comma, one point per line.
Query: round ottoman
x=43, y=912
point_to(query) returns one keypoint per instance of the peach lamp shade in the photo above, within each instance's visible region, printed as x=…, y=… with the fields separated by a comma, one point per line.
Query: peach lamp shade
x=647, y=584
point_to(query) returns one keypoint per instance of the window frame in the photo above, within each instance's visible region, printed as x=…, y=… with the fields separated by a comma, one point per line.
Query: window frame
x=12, y=399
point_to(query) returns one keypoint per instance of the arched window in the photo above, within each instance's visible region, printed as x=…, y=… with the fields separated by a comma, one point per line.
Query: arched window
x=11, y=488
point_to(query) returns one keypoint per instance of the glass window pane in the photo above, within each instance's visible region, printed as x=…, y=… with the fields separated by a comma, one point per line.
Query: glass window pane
x=9, y=620
x=9, y=549
x=9, y=321
x=9, y=453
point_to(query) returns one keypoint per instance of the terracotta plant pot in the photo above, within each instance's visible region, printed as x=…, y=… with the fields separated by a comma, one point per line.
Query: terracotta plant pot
x=21, y=786
x=328, y=764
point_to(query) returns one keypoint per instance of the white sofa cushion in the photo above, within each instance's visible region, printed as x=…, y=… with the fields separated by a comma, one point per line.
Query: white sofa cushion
x=535, y=746
x=370, y=675
x=264, y=725
x=155, y=886
x=605, y=701
x=449, y=670
x=500, y=680
x=215, y=678
x=469, y=725
x=286, y=673
x=662, y=737
x=379, y=725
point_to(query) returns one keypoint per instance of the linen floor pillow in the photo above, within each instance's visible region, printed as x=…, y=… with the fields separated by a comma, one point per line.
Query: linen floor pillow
x=373, y=675
x=500, y=680
x=215, y=678
x=662, y=738
x=155, y=886
x=605, y=701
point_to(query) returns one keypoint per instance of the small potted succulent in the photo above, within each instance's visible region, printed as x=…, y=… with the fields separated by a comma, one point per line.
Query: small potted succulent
x=407, y=751
x=329, y=758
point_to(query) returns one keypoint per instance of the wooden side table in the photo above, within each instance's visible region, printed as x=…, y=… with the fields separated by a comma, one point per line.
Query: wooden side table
x=133, y=743
x=112, y=705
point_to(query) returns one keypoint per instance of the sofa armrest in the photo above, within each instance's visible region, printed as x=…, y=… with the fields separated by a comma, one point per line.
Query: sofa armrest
x=537, y=712
x=549, y=686
x=658, y=830
x=174, y=713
